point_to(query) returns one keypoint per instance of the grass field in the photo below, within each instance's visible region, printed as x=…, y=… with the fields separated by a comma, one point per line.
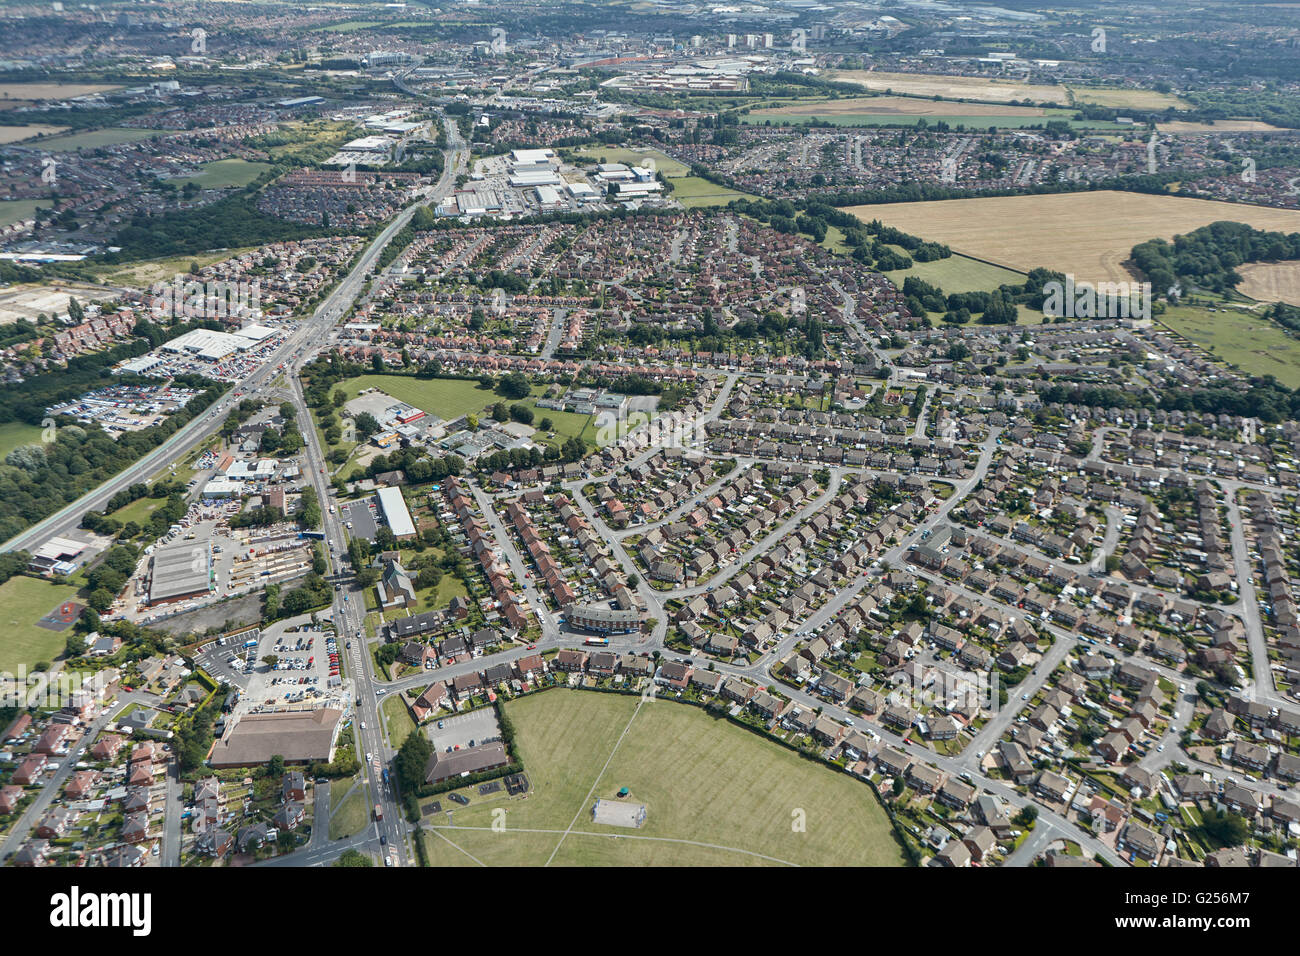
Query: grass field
x=958, y=273
x=1250, y=342
x=224, y=173
x=1271, y=281
x=1003, y=91
x=352, y=815
x=1087, y=234
x=137, y=511
x=563, y=424
x=13, y=434
x=23, y=602
x=446, y=398
x=397, y=719
x=715, y=795
x=633, y=157
x=90, y=139
x=692, y=191
x=16, y=134
x=16, y=210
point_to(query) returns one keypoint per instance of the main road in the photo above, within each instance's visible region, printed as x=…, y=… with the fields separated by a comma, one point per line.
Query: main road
x=310, y=333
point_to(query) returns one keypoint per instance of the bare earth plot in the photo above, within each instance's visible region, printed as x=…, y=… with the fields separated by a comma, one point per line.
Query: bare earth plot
x=29, y=301
x=715, y=794
x=1087, y=234
x=1271, y=281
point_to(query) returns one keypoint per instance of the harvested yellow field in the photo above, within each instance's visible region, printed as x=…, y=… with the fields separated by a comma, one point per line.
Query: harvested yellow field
x=1004, y=91
x=16, y=134
x=952, y=87
x=51, y=91
x=1086, y=234
x=1219, y=126
x=902, y=105
x=1271, y=281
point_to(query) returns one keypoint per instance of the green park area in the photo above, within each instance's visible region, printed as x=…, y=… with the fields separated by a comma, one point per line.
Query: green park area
x=23, y=602
x=224, y=173
x=714, y=793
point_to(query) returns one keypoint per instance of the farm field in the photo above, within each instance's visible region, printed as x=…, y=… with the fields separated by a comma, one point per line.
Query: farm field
x=16, y=210
x=896, y=110
x=224, y=173
x=50, y=91
x=23, y=602
x=1271, y=281
x=1002, y=91
x=1241, y=338
x=446, y=398
x=1218, y=126
x=715, y=795
x=1087, y=234
x=91, y=139
x=904, y=105
x=16, y=134
x=13, y=434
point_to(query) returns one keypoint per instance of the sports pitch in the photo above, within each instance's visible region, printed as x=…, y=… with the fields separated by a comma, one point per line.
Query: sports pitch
x=715, y=794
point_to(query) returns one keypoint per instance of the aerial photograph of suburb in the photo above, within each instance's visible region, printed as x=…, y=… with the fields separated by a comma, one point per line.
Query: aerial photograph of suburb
x=650, y=434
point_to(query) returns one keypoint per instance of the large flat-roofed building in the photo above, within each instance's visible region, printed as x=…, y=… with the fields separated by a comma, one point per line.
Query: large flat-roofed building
x=530, y=178
x=393, y=505
x=602, y=620
x=532, y=157
x=444, y=766
x=301, y=737
x=180, y=571
x=213, y=346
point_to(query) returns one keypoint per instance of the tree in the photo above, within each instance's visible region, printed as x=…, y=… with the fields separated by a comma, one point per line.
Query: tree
x=101, y=599
x=412, y=760
x=275, y=766
x=1224, y=828
x=1027, y=815
x=353, y=857
x=270, y=660
x=514, y=386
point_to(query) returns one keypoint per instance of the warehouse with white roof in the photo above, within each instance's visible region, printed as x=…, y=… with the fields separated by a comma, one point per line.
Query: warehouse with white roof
x=393, y=506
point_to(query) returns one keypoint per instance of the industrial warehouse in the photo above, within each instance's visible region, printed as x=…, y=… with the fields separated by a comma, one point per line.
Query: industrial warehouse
x=180, y=571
